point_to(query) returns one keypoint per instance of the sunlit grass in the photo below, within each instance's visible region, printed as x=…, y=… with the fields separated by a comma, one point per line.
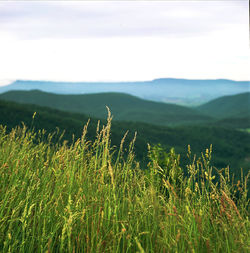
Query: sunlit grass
x=90, y=197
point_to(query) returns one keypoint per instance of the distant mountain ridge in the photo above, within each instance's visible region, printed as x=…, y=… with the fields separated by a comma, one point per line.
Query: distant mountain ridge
x=170, y=90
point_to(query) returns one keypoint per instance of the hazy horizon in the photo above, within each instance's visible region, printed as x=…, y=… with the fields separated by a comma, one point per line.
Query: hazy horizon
x=118, y=81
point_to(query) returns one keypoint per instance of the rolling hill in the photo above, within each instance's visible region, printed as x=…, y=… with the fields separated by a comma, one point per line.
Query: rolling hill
x=123, y=107
x=169, y=90
x=229, y=146
x=236, y=106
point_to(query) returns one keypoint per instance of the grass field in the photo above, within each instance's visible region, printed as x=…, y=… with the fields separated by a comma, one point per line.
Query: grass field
x=92, y=197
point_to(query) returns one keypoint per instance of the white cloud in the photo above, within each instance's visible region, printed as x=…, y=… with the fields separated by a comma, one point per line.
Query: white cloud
x=81, y=19
x=127, y=41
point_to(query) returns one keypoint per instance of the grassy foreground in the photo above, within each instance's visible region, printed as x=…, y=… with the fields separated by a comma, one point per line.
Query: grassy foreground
x=90, y=197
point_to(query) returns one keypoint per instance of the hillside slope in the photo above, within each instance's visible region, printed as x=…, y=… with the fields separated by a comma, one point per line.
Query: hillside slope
x=228, y=106
x=229, y=146
x=123, y=106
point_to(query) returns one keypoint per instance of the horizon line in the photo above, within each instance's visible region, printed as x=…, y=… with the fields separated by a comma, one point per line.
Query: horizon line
x=11, y=81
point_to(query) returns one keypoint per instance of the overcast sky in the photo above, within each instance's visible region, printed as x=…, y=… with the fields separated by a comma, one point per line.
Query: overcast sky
x=122, y=41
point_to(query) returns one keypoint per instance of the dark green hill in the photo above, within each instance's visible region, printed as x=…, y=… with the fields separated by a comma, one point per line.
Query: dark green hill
x=123, y=106
x=228, y=106
x=230, y=146
x=236, y=123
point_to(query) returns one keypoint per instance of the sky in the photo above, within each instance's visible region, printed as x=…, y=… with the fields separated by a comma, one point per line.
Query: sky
x=123, y=40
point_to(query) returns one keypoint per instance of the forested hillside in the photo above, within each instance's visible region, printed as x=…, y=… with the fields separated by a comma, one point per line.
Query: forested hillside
x=230, y=147
x=236, y=106
x=123, y=107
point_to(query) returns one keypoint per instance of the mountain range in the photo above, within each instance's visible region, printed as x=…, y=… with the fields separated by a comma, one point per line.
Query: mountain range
x=234, y=109
x=170, y=90
x=122, y=106
x=223, y=122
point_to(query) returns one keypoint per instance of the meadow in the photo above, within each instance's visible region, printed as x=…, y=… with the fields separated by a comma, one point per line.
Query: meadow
x=90, y=196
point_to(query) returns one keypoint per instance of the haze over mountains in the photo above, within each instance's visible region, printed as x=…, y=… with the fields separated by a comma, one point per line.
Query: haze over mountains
x=170, y=90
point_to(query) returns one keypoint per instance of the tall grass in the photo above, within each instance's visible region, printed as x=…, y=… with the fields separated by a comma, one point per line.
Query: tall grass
x=90, y=197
